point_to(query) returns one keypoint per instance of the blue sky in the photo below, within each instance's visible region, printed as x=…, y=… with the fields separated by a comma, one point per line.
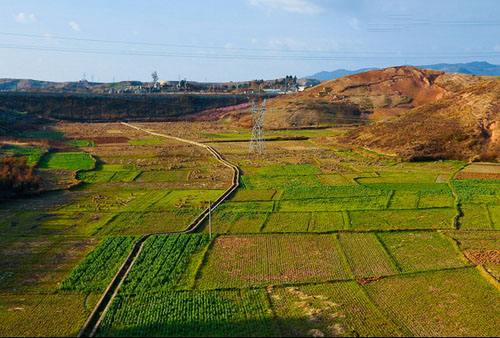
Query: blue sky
x=222, y=40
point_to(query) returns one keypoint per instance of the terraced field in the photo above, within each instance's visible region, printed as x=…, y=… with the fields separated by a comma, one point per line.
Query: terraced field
x=321, y=239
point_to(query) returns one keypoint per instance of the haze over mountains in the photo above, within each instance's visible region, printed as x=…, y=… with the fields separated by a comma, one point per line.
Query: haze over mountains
x=472, y=68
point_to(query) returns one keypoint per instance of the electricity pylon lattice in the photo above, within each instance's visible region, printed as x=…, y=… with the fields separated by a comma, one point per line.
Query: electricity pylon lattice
x=257, y=141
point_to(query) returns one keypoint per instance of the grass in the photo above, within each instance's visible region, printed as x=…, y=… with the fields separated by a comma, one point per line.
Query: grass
x=442, y=303
x=421, y=251
x=69, y=161
x=243, y=261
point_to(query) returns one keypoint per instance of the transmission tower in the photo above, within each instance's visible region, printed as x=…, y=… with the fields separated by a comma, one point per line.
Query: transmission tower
x=257, y=141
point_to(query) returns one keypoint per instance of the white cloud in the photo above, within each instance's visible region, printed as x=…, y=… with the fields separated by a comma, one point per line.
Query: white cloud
x=294, y=6
x=496, y=48
x=25, y=17
x=74, y=26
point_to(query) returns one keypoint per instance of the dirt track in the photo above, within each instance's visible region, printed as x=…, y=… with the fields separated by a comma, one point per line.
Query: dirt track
x=91, y=325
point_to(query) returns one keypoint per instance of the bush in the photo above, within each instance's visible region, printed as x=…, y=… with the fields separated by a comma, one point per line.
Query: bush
x=16, y=177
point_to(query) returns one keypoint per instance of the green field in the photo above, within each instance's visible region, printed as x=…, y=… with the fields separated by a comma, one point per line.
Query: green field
x=320, y=239
x=69, y=161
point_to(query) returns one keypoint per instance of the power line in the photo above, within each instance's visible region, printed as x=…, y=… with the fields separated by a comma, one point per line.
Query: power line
x=334, y=53
x=232, y=56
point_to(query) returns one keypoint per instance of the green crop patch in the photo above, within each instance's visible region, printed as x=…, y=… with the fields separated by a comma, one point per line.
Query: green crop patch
x=147, y=141
x=253, y=207
x=241, y=261
x=258, y=182
x=432, y=200
x=42, y=315
x=327, y=221
x=377, y=202
x=80, y=143
x=442, y=303
x=98, y=268
x=494, y=212
x=404, y=200
x=329, y=310
x=478, y=191
x=190, y=314
x=322, y=192
x=439, y=218
x=69, y=161
x=421, y=251
x=366, y=256
x=288, y=170
x=400, y=177
x=475, y=216
x=245, y=195
x=288, y=222
x=162, y=262
x=236, y=222
x=138, y=223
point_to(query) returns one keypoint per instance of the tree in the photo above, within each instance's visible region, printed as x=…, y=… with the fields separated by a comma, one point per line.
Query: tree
x=155, y=77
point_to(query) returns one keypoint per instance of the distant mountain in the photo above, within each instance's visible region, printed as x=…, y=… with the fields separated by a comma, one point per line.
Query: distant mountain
x=471, y=68
x=324, y=76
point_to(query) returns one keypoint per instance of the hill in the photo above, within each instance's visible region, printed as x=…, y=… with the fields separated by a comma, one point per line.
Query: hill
x=463, y=125
x=472, y=68
x=414, y=113
x=372, y=95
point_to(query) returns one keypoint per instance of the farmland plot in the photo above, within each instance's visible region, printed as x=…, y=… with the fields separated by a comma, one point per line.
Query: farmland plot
x=438, y=218
x=97, y=269
x=69, y=161
x=366, y=256
x=441, y=303
x=332, y=309
x=328, y=221
x=420, y=251
x=240, y=261
x=288, y=222
x=43, y=315
x=188, y=314
x=236, y=222
x=162, y=263
x=475, y=216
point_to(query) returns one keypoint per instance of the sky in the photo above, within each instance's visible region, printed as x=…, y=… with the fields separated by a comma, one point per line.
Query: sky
x=234, y=40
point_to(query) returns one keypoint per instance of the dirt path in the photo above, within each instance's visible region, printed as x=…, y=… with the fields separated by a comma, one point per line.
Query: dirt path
x=91, y=325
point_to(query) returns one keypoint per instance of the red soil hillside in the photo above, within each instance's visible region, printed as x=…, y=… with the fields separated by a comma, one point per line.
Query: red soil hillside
x=463, y=125
x=376, y=94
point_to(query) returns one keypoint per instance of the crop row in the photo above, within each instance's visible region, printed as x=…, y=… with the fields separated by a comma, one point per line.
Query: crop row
x=162, y=262
x=196, y=313
x=98, y=267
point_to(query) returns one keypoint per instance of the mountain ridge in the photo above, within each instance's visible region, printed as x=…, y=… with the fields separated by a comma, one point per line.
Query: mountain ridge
x=482, y=68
